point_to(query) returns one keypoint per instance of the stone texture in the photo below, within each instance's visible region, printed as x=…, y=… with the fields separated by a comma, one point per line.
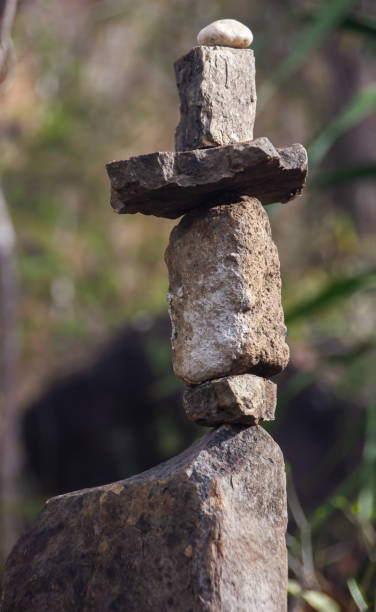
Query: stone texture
x=226, y=32
x=204, y=531
x=246, y=399
x=169, y=184
x=217, y=97
x=225, y=294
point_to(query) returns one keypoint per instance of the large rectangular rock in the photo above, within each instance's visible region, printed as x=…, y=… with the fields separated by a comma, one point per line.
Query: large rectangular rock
x=225, y=294
x=246, y=399
x=168, y=184
x=217, y=97
x=203, y=532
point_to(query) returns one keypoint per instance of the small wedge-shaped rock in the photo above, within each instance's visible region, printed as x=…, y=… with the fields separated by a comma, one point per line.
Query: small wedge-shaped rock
x=169, y=184
x=204, y=532
x=246, y=399
x=217, y=93
x=225, y=294
x=227, y=32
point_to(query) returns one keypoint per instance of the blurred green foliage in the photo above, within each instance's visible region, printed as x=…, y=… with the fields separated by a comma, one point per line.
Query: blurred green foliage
x=93, y=81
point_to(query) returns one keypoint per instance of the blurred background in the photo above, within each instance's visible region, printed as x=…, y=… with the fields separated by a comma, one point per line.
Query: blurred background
x=87, y=394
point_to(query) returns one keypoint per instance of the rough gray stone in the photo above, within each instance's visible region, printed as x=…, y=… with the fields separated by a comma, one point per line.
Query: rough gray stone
x=225, y=294
x=246, y=399
x=204, y=531
x=217, y=93
x=169, y=184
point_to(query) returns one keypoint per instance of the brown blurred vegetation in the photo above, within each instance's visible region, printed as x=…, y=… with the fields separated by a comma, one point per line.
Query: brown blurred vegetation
x=92, y=81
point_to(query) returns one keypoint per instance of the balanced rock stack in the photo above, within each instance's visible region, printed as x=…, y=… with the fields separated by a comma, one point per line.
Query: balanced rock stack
x=205, y=530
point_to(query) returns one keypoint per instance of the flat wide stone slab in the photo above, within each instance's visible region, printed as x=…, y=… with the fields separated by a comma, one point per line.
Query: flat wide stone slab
x=244, y=399
x=169, y=184
x=204, y=531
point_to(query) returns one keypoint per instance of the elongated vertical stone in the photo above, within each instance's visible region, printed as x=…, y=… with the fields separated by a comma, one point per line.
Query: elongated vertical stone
x=225, y=294
x=218, y=97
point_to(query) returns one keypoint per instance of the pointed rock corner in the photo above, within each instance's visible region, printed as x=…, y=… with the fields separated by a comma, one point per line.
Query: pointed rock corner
x=202, y=527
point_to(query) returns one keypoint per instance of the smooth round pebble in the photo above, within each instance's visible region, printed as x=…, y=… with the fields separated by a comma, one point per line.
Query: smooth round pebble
x=226, y=33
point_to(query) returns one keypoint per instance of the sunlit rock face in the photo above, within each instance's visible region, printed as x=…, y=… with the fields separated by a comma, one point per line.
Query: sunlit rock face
x=225, y=294
x=246, y=399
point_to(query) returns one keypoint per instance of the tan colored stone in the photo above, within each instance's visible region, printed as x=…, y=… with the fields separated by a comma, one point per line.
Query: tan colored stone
x=217, y=93
x=203, y=532
x=225, y=294
x=246, y=399
x=227, y=32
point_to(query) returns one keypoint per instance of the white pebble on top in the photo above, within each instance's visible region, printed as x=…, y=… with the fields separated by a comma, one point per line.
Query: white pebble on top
x=226, y=33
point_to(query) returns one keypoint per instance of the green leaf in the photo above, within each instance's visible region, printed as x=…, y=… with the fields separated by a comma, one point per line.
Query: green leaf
x=294, y=588
x=323, y=22
x=360, y=26
x=352, y=23
x=364, y=507
x=367, y=495
x=344, y=491
x=357, y=595
x=320, y=602
x=361, y=105
x=334, y=292
x=344, y=175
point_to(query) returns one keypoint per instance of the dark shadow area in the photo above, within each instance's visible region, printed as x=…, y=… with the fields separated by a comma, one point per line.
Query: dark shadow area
x=123, y=414
x=117, y=417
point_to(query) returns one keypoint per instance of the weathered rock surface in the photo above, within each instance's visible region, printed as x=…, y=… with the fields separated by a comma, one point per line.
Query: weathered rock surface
x=227, y=32
x=204, y=531
x=169, y=184
x=217, y=93
x=246, y=399
x=225, y=294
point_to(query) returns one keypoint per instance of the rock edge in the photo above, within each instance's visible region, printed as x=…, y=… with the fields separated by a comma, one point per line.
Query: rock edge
x=168, y=184
x=204, y=531
x=246, y=399
x=217, y=92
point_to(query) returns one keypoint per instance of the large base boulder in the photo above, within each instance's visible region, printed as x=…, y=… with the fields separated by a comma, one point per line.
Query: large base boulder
x=203, y=531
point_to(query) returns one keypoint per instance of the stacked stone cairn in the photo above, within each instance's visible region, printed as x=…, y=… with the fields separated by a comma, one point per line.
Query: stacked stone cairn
x=205, y=530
